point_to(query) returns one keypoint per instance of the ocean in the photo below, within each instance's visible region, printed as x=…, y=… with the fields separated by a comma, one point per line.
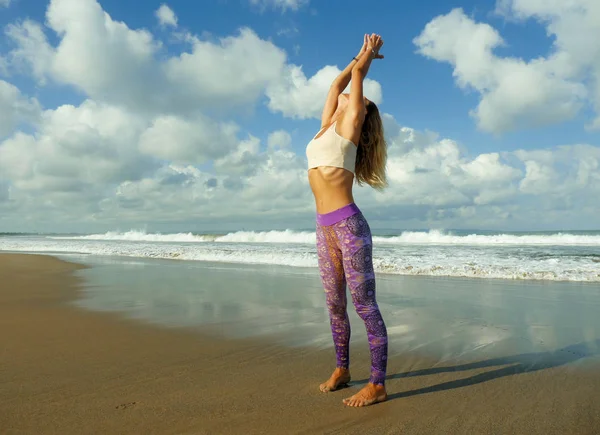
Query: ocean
x=539, y=256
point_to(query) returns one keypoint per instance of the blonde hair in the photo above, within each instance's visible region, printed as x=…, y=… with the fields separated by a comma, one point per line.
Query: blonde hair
x=371, y=156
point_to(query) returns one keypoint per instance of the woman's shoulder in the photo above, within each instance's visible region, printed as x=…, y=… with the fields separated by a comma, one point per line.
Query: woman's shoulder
x=348, y=127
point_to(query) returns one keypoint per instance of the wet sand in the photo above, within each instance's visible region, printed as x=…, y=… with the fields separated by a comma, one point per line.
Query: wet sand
x=64, y=370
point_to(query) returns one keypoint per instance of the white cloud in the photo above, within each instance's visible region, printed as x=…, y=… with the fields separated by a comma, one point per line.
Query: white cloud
x=436, y=181
x=5, y=3
x=15, y=108
x=119, y=68
x=516, y=93
x=279, y=139
x=295, y=96
x=284, y=5
x=76, y=151
x=98, y=163
x=575, y=27
x=244, y=160
x=166, y=16
x=123, y=67
x=33, y=50
x=235, y=191
x=236, y=71
x=196, y=141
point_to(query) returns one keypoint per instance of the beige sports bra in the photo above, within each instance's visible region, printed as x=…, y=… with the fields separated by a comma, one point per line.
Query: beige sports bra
x=331, y=149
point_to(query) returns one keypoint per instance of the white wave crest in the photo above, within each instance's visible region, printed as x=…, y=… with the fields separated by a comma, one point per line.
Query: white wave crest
x=425, y=261
x=287, y=236
x=433, y=237
x=140, y=236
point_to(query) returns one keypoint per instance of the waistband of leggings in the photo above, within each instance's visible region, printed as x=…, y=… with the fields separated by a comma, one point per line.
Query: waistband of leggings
x=335, y=216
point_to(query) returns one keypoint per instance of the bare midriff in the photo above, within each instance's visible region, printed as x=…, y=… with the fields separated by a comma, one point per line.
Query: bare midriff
x=332, y=188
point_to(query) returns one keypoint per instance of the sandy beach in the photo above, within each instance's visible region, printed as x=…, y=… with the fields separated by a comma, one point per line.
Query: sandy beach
x=66, y=370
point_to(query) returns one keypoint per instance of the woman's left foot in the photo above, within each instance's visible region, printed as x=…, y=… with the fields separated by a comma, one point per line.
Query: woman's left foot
x=369, y=395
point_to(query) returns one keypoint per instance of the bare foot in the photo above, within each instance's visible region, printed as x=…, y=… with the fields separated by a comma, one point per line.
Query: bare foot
x=367, y=396
x=340, y=377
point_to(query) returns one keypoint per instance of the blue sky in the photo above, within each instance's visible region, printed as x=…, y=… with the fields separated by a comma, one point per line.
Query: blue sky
x=419, y=80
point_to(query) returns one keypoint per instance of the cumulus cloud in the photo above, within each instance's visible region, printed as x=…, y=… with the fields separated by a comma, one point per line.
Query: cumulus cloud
x=516, y=93
x=244, y=160
x=93, y=163
x=75, y=152
x=33, y=51
x=437, y=183
x=124, y=69
x=433, y=181
x=166, y=17
x=97, y=162
x=279, y=139
x=233, y=192
x=284, y=5
x=195, y=141
x=575, y=27
x=211, y=74
x=15, y=108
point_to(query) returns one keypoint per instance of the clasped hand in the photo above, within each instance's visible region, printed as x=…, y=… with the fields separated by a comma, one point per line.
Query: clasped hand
x=372, y=43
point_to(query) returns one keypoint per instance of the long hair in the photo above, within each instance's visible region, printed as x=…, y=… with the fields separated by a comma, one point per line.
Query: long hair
x=371, y=156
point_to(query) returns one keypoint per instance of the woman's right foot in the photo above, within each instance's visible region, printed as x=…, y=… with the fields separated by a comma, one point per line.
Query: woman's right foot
x=339, y=378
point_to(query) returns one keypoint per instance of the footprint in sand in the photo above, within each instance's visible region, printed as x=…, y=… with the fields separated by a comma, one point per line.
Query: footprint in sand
x=125, y=405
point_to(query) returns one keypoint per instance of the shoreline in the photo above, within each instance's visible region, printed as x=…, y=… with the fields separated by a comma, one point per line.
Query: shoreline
x=69, y=370
x=534, y=258
x=382, y=275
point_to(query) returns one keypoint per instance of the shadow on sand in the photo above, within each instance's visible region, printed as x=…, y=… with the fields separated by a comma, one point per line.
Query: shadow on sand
x=523, y=363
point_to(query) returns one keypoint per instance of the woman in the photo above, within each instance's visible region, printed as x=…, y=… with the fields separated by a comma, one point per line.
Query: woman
x=349, y=145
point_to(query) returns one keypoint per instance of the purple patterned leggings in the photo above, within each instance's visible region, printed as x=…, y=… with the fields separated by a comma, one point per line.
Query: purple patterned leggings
x=344, y=247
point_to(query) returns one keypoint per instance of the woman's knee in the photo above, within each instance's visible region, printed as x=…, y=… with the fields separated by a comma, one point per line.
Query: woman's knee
x=363, y=295
x=366, y=312
x=337, y=310
x=336, y=304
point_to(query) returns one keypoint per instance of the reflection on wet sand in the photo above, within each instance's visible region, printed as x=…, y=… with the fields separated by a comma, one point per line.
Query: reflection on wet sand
x=444, y=318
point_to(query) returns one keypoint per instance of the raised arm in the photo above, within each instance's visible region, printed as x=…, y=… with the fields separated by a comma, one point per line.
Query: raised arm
x=355, y=112
x=338, y=86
